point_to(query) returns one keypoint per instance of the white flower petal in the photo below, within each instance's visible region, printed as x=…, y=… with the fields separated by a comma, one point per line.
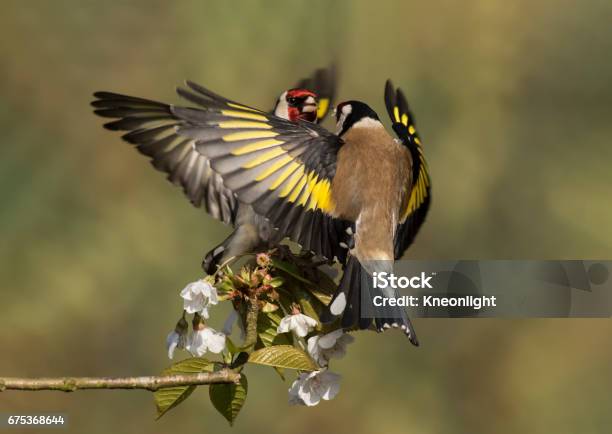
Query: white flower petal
x=186, y=292
x=298, y=323
x=332, y=384
x=213, y=298
x=284, y=325
x=204, y=312
x=197, y=296
x=196, y=345
x=310, y=322
x=205, y=340
x=315, y=351
x=300, y=328
x=214, y=340
x=332, y=345
x=313, y=345
x=313, y=386
x=172, y=342
x=329, y=340
x=307, y=392
x=294, y=398
x=303, y=324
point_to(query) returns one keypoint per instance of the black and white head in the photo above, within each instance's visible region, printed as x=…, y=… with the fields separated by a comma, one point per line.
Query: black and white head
x=355, y=114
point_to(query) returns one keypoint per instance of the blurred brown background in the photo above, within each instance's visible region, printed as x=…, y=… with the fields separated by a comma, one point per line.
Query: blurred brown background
x=513, y=100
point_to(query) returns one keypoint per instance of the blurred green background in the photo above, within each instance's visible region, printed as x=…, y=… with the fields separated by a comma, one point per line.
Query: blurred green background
x=513, y=100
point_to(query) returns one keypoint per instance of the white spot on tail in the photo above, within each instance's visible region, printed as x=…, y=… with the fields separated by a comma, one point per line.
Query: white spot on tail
x=338, y=305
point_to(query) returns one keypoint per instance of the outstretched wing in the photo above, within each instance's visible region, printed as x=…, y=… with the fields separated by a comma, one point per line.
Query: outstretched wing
x=323, y=84
x=283, y=169
x=419, y=200
x=152, y=128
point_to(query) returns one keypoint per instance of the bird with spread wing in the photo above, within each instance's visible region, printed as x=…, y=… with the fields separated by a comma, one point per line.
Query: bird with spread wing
x=358, y=196
x=151, y=127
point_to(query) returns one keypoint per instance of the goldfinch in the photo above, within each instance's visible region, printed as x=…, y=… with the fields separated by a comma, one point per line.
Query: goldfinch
x=310, y=99
x=151, y=127
x=348, y=195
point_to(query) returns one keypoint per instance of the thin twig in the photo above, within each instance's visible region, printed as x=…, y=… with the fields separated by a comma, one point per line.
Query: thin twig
x=153, y=383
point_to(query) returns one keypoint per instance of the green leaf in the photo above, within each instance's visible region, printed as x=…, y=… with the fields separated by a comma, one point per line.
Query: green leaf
x=226, y=286
x=245, y=274
x=277, y=282
x=169, y=397
x=266, y=329
x=228, y=399
x=231, y=346
x=321, y=296
x=324, y=288
x=269, y=307
x=267, y=323
x=290, y=269
x=228, y=271
x=306, y=300
x=283, y=356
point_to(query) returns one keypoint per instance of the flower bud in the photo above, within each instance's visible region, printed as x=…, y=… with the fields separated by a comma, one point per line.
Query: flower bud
x=177, y=338
x=263, y=259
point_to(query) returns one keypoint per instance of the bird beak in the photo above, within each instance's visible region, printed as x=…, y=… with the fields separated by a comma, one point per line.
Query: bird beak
x=310, y=105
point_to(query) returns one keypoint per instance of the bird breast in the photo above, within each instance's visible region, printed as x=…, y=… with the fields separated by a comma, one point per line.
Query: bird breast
x=370, y=186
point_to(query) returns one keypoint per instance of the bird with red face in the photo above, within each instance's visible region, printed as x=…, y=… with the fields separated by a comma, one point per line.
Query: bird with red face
x=309, y=101
x=297, y=104
x=156, y=137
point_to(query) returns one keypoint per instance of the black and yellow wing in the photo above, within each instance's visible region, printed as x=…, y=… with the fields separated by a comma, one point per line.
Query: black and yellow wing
x=283, y=169
x=419, y=200
x=323, y=84
x=151, y=126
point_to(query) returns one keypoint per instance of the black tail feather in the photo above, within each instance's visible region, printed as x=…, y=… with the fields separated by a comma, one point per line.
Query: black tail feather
x=356, y=284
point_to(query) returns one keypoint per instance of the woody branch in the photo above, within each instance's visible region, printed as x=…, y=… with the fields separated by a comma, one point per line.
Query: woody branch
x=152, y=383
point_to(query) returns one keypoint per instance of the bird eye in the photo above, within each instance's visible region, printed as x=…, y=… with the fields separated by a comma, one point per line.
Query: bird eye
x=292, y=100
